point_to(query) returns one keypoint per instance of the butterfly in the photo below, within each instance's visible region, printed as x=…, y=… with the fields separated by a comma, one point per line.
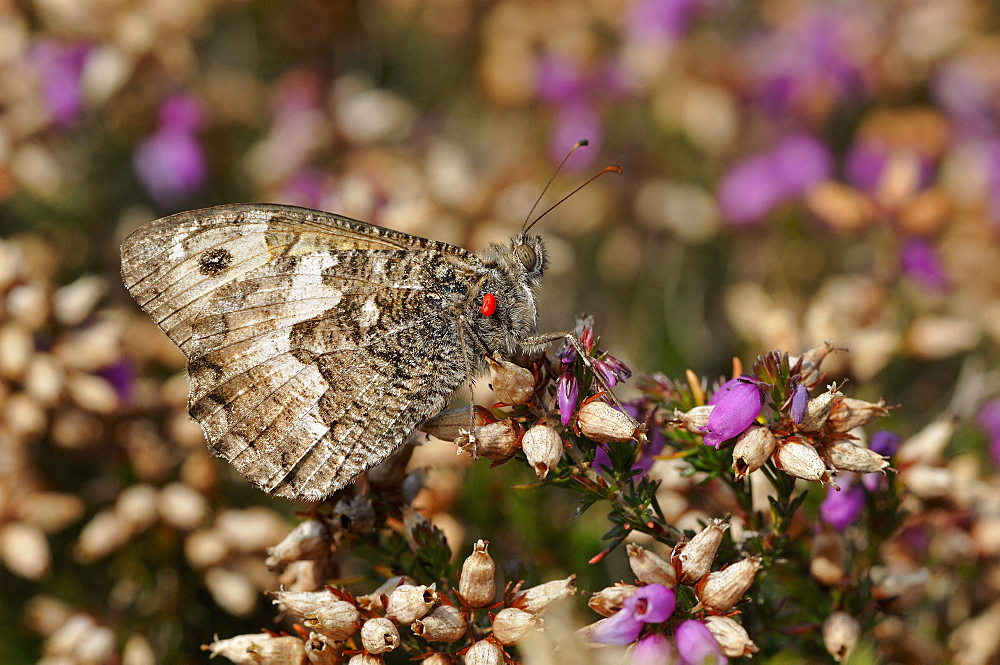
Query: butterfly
x=316, y=344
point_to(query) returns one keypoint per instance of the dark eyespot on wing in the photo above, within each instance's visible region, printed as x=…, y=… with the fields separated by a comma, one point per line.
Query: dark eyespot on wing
x=214, y=261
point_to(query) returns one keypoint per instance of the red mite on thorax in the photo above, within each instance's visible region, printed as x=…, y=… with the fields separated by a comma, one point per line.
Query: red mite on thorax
x=489, y=306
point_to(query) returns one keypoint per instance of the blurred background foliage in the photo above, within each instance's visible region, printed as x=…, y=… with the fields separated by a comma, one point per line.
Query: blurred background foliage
x=794, y=171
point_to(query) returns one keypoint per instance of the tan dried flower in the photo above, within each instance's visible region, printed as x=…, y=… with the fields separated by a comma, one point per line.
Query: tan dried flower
x=722, y=589
x=477, y=584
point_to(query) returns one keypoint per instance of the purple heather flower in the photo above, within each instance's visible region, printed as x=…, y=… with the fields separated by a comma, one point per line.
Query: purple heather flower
x=653, y=603
x=654, y=649
x=612, y=370
x=760, y=183
x=887, y=443
x=662, y=20
x=989, y=419
x=696, y=645
x=170, y=163
x=121, y=375
x=59, y=68
x=866, y=161
x=967, y=90
x=800, y=399
x=567, y=395
x=841, y=509
x=737, y=402
x=567, y=355
x=920, y=262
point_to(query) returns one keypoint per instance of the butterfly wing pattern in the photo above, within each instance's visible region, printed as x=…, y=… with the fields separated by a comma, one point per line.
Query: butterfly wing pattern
x=315, y=343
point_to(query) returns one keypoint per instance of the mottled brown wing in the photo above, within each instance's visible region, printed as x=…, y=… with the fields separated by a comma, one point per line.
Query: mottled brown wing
x=316, y=344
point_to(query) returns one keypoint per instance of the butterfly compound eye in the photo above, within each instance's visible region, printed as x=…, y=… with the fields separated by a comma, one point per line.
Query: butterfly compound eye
x=527, y=256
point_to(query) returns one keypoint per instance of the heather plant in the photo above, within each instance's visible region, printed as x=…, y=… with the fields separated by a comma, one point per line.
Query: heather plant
x=810, y=187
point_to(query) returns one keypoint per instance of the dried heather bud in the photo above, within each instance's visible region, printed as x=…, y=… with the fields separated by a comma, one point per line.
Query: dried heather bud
x=695, y=419
x=819, y=408
x=511, y=625
x=354, y=515
x=444, y=623
x=734, y=642
x=801, y=460
x=650, y=568
x=307, y=540
x=752, y=449
x=538, y=598
x=379, y=635
x=305, y=603
x=338, y=620
x=609, y=600
x=846, y=456
x=365, y=659
x=543, y=447
x=849, y=413
x=840, y=633
x=259, y=649
x=485, y=652
x=451, y=424
x=407, y=603
x=811, y=360
x=512, y=383
x=601, y=422
x=438, y=659
x=321, y=650
x=693, y=560
x=477, y=585
x=496, y=441
x=722, y=589
x=827, y=559
x=373, y=601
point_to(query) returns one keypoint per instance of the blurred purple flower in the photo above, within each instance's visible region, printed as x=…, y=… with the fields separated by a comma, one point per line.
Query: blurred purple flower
x=696, y=645
x=866, y=162
x=800, y=400
x=170, y=163
x=59, y=67
x=567, y=395
x=919, y=261
x=121, y=376
x=886, y=443
x=967, y=89
x=760, y=183
x=662, y=20
x=657, y=441
x=612, y=370
x=737, y=402
x=841, y=509
x=654, y=649
x=989, y=420
x=304, y=188
x=652, y=603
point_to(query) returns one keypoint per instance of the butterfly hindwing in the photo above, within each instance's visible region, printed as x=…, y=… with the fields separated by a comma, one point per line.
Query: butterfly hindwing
x=296, y=325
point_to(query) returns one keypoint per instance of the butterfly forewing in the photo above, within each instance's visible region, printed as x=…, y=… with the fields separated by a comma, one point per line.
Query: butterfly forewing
x=296, y=324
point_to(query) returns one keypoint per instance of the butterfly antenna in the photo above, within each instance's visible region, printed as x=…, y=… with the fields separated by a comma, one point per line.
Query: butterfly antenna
x=607, y=169
x=579, y=144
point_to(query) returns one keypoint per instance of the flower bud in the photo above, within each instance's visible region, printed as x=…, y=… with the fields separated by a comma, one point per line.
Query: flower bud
x=338, y=620
x=693, y=559
x=365, y=659
x=496, y=441
x=811, y=360
x=827, y=559
x=650, y=568
x=537, y=598
x=444, y=623
x=846, y=456
x=543, y=447
x=307, y=540
x=512, y=383
x=485, y=652
x=373, y=601
x=721, y=590
x=477, y=585
x=734, y=642
x=604, y=423
x=449, y=425
x=818, y=409
x=752, y=449
x=259, y=648
x=695, y=419
x=801, y=460
x=849, y=413
x=840, y=633
x=407, y=603
x=609, y=600
x=379, y=635
x=413, y=524
x=305, y=603
x=511, y=624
